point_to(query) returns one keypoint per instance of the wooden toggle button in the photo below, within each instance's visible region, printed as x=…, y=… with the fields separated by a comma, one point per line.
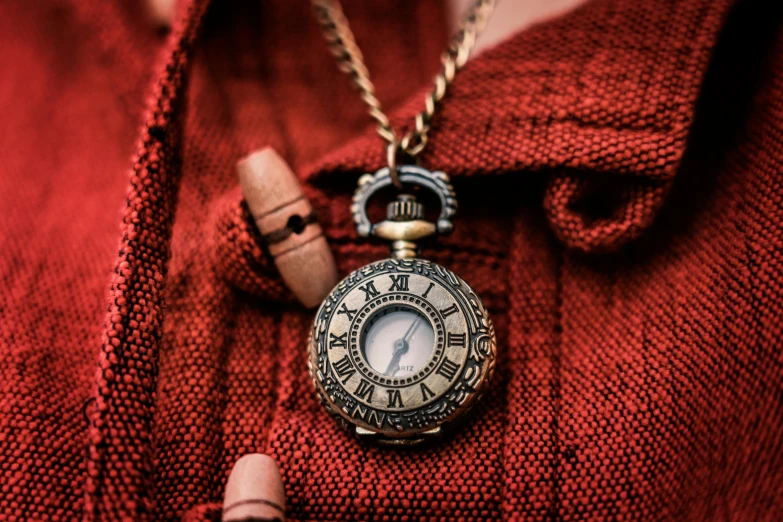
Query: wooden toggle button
x=288, y=226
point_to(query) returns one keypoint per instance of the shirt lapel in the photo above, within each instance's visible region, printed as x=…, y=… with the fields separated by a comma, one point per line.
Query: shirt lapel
x=595, y=107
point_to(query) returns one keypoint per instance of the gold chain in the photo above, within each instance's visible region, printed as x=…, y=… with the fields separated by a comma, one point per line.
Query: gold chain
x=343, y=46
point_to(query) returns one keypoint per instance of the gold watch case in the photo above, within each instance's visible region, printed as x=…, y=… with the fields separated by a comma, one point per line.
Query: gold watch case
x=413, y=408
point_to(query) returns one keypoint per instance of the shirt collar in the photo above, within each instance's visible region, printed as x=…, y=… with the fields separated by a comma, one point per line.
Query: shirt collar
x=606, y=91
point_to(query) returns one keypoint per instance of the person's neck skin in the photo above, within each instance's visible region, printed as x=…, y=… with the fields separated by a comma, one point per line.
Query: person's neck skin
x=510, y=16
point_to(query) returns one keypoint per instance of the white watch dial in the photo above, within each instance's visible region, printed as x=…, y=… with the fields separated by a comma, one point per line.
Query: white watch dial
x=398, y=341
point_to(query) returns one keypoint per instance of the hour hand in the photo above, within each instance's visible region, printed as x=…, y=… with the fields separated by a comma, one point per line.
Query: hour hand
x=400, y=347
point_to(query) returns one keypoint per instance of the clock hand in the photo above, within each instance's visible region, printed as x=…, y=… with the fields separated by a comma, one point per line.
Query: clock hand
x=400, y=347
x=412, y=328
x=394, y=364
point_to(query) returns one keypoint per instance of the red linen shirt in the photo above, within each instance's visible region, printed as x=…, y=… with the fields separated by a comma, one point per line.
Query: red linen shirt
x=618, y=171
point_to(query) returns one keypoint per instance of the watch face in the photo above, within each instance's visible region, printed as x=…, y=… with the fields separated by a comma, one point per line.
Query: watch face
x=397, y=340
x=401, y=347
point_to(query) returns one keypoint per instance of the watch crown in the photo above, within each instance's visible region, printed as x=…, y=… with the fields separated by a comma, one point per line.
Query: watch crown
x=405, y=208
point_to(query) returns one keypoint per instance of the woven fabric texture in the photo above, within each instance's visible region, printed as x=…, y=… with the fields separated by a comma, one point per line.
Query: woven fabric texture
x=621, y=208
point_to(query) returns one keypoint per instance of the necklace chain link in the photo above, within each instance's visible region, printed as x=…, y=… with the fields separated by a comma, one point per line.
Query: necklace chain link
x=342, y=45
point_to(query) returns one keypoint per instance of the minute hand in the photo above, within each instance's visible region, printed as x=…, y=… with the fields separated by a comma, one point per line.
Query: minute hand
x=411, y=328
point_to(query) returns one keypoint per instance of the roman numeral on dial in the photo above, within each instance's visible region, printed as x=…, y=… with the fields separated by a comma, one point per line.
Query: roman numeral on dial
x=448, y=311
x=427, y=291
x=344, y=369
x=395, y=398
x=448, y=369
x=426, y=393
x=455, y=340
x=365, y=390
x=347, y=311
x=337, y=341
x=369, y=291
x=368, y=415
x=399, y=283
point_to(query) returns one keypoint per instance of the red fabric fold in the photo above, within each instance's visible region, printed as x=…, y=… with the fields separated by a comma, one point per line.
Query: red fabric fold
x=608, y=89
x=119, y=456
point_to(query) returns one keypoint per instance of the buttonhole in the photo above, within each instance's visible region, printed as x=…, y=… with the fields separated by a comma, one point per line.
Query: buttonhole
x=296, y=224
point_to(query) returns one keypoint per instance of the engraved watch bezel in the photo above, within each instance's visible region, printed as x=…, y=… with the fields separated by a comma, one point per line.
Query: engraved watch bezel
x=401, y=410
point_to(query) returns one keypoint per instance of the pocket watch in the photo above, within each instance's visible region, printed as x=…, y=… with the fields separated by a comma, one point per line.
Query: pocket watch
x=402, y=348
